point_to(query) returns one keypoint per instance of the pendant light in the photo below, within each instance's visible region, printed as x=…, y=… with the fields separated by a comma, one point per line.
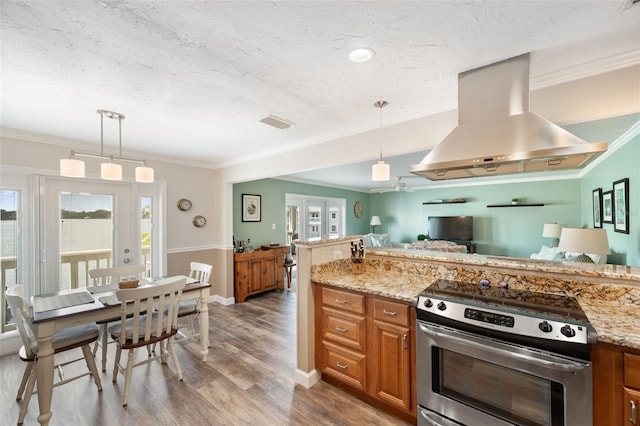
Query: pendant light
x=380, y=172
x=110, y=170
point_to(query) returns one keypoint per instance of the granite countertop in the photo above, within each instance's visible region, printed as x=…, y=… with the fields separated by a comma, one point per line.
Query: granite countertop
x=613, y=310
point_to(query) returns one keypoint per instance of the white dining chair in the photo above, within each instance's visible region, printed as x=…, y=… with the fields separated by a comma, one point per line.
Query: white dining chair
x=191, y=308
x=108, y=278
x=80, y=336
x=154, y=319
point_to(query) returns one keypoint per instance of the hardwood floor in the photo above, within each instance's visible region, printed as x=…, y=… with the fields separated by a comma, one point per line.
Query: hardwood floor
x=248, y=380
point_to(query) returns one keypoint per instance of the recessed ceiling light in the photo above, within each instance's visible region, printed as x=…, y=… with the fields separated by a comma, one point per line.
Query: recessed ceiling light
x=361, y=55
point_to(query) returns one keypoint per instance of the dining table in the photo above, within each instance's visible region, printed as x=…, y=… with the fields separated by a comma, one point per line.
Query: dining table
x=68, y=308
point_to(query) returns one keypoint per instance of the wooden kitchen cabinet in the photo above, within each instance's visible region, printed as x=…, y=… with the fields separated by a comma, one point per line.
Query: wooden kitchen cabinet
x=259, y=271
x=616, y=384
x=365, y=345
x=391, y=353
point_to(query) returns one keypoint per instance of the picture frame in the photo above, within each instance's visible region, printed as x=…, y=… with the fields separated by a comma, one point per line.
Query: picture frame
x=621, y=205
x=597, y=208
x=607, y=207
x=251, y=208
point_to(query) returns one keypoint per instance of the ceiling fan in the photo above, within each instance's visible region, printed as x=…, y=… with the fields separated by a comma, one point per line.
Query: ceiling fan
x=398, y=185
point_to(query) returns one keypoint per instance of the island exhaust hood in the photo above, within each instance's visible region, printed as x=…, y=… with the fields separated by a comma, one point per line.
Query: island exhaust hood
x=496, y=133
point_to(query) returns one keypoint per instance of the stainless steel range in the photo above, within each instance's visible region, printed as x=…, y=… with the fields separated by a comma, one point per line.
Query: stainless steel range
x=490, y=355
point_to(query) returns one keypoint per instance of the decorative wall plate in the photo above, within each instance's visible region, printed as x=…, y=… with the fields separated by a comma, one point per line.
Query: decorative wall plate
x=184, y=204
x=358, y=209
x=199, y=221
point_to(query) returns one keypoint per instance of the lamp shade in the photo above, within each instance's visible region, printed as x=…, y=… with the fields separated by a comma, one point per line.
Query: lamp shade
x=144, y=174
x=584, y=240
x=552, y=230
x=375, y=221
x=70, y=167
x=380, y=171
x=111, y=171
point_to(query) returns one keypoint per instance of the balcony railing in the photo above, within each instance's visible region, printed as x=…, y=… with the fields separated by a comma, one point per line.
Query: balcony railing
x=74, y=271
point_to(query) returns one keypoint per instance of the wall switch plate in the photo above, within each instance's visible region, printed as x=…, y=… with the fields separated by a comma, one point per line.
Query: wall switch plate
x=273, y=226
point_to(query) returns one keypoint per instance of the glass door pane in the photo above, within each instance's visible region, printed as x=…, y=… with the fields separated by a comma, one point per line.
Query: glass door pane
x=146, y=228
x=314, y=222
x=9, y=246
x=86, y=236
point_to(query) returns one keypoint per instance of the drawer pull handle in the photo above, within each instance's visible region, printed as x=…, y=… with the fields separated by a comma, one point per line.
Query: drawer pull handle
x=341, y=301
x=634, y=413
x=340, y=365
x=341, y=329
x=404, y=341
x=392, y=313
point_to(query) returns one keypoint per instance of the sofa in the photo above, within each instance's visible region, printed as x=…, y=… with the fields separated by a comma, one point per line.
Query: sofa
x=372, y=240
x=554, y=253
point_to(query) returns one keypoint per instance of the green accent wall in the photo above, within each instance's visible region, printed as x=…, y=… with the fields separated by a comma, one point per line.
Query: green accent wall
x=273, y=193
x=623, y=163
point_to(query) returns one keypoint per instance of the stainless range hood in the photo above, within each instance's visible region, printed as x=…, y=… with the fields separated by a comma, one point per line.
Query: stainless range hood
x=496, y=133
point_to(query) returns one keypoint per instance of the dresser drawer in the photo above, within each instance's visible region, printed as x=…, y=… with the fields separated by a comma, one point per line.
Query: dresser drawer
x=392, y=312
x=632, y=370
x=344, y=300
x=347, y=366
x=344, y=328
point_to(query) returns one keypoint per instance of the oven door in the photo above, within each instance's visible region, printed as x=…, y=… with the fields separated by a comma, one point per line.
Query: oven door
x=475, y=380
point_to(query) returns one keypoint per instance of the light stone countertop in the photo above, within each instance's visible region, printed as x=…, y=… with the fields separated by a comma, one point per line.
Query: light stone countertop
x=612, y=309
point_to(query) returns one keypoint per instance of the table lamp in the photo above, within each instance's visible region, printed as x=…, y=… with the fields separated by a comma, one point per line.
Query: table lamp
x=375, y=221
x=552, y=230
x=584, y=240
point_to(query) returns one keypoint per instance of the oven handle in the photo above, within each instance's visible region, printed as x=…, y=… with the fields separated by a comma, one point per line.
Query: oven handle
x=560, y=365
x=434, y=419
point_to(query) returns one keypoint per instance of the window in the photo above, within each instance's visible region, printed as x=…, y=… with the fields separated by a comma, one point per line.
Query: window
x=9, y=249
x=323, y=217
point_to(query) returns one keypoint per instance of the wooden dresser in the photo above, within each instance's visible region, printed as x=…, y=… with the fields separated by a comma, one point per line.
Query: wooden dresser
x=259, y=271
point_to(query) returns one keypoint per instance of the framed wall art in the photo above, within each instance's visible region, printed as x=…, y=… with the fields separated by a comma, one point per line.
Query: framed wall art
x=251, y=208
x=621, y=205
x=597, y=208
x=607, y=207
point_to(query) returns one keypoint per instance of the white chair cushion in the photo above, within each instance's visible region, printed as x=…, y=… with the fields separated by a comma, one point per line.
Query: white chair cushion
x=548, y=253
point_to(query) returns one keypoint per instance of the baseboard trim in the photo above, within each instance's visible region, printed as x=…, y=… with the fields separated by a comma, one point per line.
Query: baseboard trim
x=226, y=301
x=307, y=379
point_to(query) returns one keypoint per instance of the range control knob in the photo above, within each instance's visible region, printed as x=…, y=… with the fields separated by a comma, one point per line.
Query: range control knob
x=428, y=303
x=442, y=306
x=568, y=331
x=545, y=327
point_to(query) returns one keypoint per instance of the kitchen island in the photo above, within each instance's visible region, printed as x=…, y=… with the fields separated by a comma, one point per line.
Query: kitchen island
x=608, y=294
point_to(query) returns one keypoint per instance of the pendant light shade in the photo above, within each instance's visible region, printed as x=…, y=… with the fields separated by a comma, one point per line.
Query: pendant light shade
x=111, y=171
x=380, y=172
x=144, y=174
x=71, y=167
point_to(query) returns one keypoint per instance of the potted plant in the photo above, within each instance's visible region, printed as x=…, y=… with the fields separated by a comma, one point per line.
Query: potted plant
x=422, y=237
x=514, y=200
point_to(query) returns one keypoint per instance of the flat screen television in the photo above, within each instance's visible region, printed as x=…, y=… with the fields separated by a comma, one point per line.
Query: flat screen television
x=451, y=228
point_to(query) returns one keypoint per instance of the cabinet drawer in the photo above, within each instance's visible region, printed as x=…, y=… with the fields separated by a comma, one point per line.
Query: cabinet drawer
x=343, y=300
x=632, y=370
x=393, y=312
x=344, y=328
x=347, y=366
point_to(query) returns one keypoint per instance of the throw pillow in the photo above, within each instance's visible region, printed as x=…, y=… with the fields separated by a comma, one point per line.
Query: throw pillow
x=380, y=240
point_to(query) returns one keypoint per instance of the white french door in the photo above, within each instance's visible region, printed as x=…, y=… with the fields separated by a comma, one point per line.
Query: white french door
x=88, y=224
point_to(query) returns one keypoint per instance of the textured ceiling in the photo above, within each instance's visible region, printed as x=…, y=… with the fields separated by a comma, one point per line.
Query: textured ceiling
x=194, y=78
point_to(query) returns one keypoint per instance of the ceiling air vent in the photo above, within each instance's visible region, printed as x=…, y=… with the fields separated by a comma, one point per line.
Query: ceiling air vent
x=277, y=122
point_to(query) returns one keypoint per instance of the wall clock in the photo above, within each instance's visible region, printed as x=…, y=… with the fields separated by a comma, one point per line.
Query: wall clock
x=358, y=209
x=199, y=221
x=184, y=204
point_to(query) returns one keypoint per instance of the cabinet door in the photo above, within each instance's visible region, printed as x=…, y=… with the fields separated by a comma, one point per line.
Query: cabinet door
x=255, y=276
x=392, y=367
x=631, y=407
x=243, y=276
x=269, y=273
